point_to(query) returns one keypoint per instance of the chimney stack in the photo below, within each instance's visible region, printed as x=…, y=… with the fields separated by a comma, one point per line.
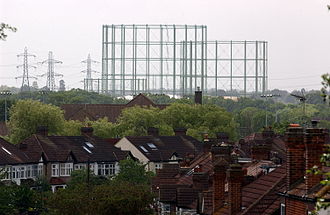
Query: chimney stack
x=42, y=130
x=180, y=131
x=198, y=96
x=86, y=131
x=222, y=137
x=153, y=131
x=295, y=154
x=200, y=181
x=219, y=181
x=261, y=152
x=235, y=178
x=314, y=143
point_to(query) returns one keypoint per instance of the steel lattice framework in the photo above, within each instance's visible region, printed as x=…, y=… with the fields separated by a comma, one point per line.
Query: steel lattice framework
x=176, y=60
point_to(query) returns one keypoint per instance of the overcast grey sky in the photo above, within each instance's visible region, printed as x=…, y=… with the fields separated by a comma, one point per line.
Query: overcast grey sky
x=298, y=32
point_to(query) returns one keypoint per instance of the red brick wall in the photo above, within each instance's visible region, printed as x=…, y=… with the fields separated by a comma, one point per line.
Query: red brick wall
x=295, y=155
x=235, y=178
x=295, y=207
x=219, y=180
x=314, y=142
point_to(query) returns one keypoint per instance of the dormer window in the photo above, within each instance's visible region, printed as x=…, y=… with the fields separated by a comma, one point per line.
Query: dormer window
x=87, y=150
x=89, y=144
x=152, y=146
x=144, y=149
x=8, y=152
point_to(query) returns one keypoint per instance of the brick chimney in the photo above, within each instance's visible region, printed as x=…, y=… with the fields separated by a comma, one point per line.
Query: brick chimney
x=222, y=137
x=235, y=179
x=219, y=181
x=200, y=181
x=295, y=154
x=86, y=131
x=198, y=96
x=261, y=152
x=180, y=131
x=153, y=131
x=42, y=130
x=314, y=143
x=223, y=150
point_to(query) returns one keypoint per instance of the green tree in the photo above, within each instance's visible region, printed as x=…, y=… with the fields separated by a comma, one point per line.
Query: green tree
x=3, y=27
x=27, y=115
x=133, y=172
x=103, y=128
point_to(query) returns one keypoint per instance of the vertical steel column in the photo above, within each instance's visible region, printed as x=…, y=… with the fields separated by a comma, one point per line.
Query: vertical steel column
x=216, y=68
x=148, y=58
x=245, y=68
x=121, y=59
x=231, y=66
x=256, y=67
x=113, y=59
x=202, y=60
x=105, y=51
x=195, y=57
x=205, y=80
x=174, y=60
x=124, y=60
x=264, y=68
x=161, y=59
x=182, y=67
x=133, y=61
x=185, y=59
x=191, y=72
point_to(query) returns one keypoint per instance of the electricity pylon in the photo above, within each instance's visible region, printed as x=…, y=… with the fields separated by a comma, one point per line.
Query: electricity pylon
x=25, y=77
x=50, y=83
x=88, y=83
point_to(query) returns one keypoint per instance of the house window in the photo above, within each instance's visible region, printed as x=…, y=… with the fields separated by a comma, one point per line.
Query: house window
x=158, y=166
x=21, y=172
x=282, y=209
x=29, y=171
x=55, y=170
x=79, y=166
x=40, y=169
x=5, y=172
x=66, y=169
x=106, y=169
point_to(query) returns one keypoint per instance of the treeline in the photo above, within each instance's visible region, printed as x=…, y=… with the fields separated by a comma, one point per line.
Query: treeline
x=238, y=117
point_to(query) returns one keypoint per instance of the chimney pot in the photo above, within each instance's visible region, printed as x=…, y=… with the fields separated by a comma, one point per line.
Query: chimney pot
x=153, y=131
x=42, y=130
x=180, y=131
x=88, y=131
x=198, y=96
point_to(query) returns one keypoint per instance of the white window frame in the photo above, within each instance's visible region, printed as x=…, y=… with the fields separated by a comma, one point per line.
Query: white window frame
x=106, y=169
x=55, y=169
x=66, y=169
x=282, y=212
x=158, y=165
x=80, y=166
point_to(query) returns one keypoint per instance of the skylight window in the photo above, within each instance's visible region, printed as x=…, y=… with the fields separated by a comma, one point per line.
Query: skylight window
x=144, y=149
x=152, y=146
x=6, y=150
x=89, y=144
x=87, y=150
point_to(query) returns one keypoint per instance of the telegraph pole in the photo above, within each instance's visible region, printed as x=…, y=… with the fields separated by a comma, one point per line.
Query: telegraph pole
x=50, y=83
x=5, y=94
x=266, y=96
x=302, y=99
x=88, y=84
x=25, y=77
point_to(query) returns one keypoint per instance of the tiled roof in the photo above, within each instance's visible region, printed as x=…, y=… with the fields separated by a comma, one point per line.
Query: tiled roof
x=81, y=148
x=260, y=196
x=162, y=148
x=10, y=154
x=97, y=111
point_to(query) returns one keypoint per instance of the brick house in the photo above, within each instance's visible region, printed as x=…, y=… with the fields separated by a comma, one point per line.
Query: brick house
x=304, y=148
x=55, y=157
x=155, y=150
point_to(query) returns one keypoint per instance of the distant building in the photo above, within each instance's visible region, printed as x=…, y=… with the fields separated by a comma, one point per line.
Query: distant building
x=62, y=86
x=97, y=111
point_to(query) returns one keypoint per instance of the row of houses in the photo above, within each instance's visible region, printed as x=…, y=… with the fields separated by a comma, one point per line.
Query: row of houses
x=55, y=157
